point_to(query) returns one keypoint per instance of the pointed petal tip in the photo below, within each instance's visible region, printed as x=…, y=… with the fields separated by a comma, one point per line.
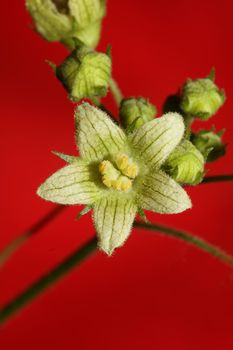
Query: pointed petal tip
x=106, y=250
x=186, y=203
x=40, y=193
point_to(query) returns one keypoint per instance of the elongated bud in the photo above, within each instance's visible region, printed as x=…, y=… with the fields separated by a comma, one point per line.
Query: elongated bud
x=85, y=65
x=135, y=112
x=186, y=164
x=210, y=144
x=201, y=98
x=63, y=20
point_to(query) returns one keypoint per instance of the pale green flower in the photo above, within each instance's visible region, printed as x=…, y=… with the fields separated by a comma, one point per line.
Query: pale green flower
x=118, y=175
x=63, y=20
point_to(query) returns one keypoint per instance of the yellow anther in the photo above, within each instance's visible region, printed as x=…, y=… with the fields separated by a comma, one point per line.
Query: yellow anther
x=122, y=184
x=116, y=184
x=126, y=184
x=131, y=171
x=118, y=177
x=106, y=181
x=122, y=161
x=103, y=166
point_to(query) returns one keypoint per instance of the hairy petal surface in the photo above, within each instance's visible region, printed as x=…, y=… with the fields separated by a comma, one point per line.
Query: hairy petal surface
x=70, y=185
x=155, y=140
x=163, y=195
x=97, y=135
x=113, y=219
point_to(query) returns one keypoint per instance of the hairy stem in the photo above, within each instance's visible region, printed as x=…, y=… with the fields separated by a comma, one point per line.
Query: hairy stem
x=187, y=237
x=217, y=178
x=116, y=92
x=19, y=241
x=82, y=253
x=48, y=280
x=9, y=250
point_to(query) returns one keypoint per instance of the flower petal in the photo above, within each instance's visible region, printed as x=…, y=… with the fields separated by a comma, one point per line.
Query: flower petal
x=163, y=195
x=70, y=185
x=113, y=220
x=155, y=140
x=97, y=135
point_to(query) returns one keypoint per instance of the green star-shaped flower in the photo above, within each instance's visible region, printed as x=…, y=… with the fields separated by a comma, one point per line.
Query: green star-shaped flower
x=119, y=174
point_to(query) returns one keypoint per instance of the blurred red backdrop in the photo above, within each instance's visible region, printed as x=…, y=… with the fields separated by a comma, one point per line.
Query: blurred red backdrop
x=155, y=292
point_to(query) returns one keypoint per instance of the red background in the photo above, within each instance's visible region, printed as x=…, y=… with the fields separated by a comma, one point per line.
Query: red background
x=155, y=292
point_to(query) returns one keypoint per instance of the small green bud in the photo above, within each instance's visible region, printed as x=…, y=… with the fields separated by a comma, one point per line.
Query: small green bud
x=135, y=112
x=209, y=143
x=63, y=20
x=185, y=164
x=85, y=73
x=201, y=98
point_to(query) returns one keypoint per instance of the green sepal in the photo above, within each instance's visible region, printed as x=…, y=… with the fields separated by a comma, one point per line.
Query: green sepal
x=212, y=74
x=185, y=164
x=143, y=216
x=52, y=65
x=109, y=51
x=84, y=211
x=66, y=158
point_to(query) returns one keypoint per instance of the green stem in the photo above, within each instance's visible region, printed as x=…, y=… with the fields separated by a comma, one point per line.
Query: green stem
x=82, y=253
x=116, y=92
x=187, y=237
x=188, y=119
x=10, y=249
x=217, y=178
x=48, y=280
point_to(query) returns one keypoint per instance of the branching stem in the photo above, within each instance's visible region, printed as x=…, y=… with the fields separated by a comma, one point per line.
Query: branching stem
x=116, y=92
x=86, y=250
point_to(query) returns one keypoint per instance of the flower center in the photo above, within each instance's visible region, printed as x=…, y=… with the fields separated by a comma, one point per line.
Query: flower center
x=119, y=175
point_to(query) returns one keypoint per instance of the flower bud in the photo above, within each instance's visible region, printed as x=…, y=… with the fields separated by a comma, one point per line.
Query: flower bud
x=209, y=143
x=85, y=73
x=63, y=20
x=185, y=164
x=135, y=112
x=201, y=98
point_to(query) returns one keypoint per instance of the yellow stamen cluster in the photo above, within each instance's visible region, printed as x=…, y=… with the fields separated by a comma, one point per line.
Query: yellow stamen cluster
x=121, y=178
x=126, y=166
